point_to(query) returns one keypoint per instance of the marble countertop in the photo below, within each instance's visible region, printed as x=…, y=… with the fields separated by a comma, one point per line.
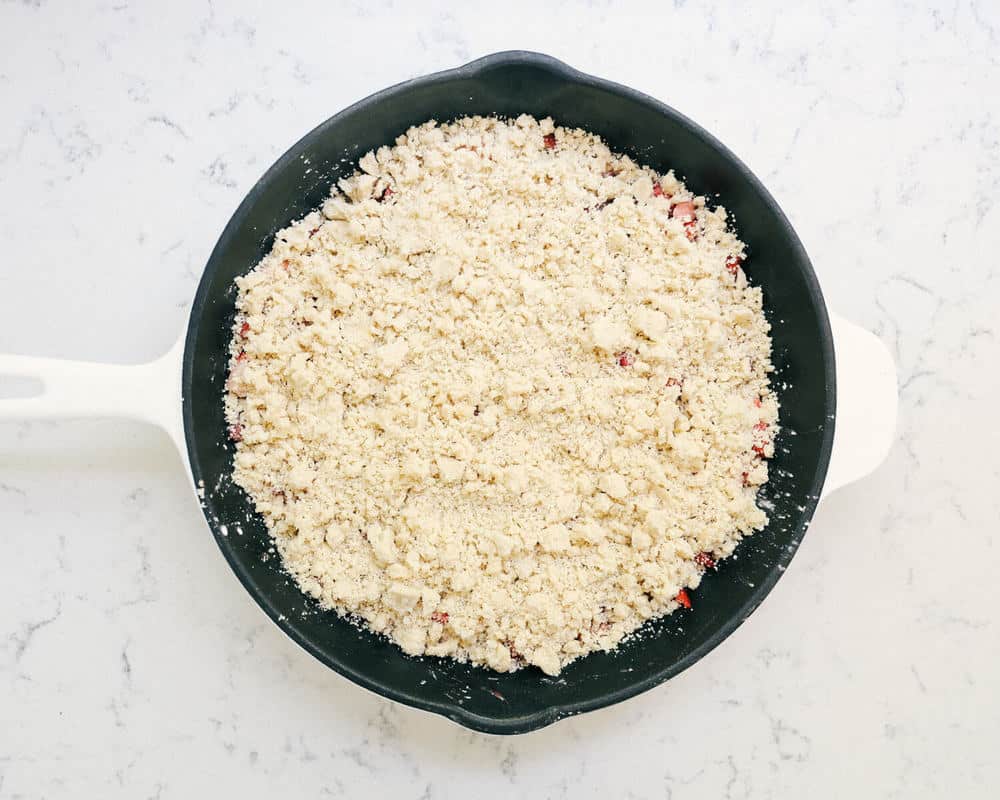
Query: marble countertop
x=133, y=665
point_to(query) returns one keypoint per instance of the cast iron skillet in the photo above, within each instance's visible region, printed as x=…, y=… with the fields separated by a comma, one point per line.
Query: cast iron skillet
x=505, y=84
x=508, y=84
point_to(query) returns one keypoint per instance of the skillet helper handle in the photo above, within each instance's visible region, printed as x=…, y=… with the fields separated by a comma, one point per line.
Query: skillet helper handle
x=78, y=389
x=867, y=404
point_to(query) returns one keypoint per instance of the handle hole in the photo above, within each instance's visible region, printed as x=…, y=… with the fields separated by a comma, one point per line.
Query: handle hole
x=12, y=386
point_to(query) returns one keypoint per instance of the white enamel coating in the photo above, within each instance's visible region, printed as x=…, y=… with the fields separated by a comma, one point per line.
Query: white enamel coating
x=865, y=425
x=149, y=392
x=867, y=404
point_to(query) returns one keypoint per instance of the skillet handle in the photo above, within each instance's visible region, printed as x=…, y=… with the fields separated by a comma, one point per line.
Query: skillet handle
x=146, y=392
x=867, y=404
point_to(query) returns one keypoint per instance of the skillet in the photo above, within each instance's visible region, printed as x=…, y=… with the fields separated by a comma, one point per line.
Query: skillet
x=837, y=411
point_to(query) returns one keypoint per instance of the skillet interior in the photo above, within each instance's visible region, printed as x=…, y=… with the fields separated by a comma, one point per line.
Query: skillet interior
x=508, y=84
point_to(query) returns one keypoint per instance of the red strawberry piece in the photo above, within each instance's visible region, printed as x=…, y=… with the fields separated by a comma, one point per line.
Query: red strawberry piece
x=756, y=402
x=683, y=599
x=733, y=265
x=759, y=445
x=285, y=264
x=236, y=432
x=244, y=329
x=241, y=357
x=691, y=230
x=625, y=359
x=681, y=210
x=657, y=190
x=440, y=617
x=746, y=478
x=705, y=560
x=387, y=192
x=550, y=141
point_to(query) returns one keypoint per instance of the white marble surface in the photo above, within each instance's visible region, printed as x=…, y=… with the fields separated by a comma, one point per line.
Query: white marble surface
x=133, y=665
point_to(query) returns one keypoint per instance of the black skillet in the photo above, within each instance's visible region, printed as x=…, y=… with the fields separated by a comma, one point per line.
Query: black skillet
x=505, y=84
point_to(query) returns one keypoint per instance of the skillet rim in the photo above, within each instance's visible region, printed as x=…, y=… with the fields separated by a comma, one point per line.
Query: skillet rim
x=553, y=713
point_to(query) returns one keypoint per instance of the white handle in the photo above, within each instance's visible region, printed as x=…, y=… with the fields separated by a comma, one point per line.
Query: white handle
x=867, y=404
x=146, y=392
